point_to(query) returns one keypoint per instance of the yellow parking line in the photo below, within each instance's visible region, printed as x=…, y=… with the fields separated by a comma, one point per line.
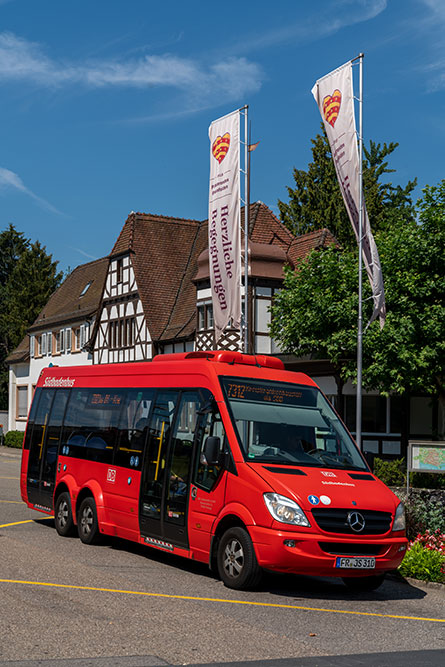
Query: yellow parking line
x=16, y=478
x=15, y=502
x=18, y=523
x=199, y=599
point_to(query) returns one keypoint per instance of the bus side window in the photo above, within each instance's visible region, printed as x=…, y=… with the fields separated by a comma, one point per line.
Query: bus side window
x=133, y=428
x=32, y=415
x=90, y=426
x=205, y=475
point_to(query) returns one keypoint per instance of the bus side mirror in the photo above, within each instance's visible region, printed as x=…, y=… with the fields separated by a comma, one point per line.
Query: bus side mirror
x=212, y=447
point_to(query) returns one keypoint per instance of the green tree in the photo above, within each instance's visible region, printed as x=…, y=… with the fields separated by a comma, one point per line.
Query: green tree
x=317, y=312
x=316, y=202
x=28, y=277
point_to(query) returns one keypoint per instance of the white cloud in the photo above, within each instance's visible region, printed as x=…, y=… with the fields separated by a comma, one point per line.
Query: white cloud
x=339, y=15
x=21, y=60
x=432, y=32
x=10, y=180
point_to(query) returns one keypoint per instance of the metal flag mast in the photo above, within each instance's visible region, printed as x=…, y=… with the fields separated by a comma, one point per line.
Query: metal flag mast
x=244, y=329
x=358, y=436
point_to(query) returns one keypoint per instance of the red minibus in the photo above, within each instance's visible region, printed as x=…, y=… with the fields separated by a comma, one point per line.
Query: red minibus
x=219, y=456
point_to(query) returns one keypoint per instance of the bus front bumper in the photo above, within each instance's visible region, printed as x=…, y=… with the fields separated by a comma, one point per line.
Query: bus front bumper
x=319, y=554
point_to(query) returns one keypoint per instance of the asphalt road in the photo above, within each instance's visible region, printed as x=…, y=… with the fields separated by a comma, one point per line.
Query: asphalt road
x=65, y=604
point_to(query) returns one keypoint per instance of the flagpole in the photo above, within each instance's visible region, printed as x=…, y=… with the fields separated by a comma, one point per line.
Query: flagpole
x=246, y=232
x=360, y=264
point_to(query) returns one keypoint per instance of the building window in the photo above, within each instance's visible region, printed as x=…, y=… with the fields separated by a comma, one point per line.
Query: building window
x=41, y=345
x=76, y=339
x=22, y=402
x=85, y=289
x=58, y=342
x=205, y=317
x=121, y=333
x=119, y=268
x=373, y=414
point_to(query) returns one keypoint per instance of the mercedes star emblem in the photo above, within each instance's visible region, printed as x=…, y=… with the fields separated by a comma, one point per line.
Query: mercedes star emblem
x=356, y=521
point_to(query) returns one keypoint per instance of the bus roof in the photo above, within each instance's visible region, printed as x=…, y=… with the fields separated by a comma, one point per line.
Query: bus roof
x=211, y=363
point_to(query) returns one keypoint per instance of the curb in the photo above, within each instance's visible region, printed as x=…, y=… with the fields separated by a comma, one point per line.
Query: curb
x=429, y=584
x=396, y=576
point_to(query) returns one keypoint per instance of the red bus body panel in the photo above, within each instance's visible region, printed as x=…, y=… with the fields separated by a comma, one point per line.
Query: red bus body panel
x=237, y=496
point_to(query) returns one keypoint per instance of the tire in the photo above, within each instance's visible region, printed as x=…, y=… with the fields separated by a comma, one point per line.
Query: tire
x=87, y=523
x=364, y=584
x=237, y=564
x=63, y=515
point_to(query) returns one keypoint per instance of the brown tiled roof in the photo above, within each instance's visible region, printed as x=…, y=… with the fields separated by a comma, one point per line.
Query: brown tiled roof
x=164, y=254
x=67, y=304
x=265, y=227
x=302, y=245
x=20, y=354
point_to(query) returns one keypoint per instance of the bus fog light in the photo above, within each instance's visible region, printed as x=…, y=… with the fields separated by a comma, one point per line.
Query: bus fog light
x=289, y=543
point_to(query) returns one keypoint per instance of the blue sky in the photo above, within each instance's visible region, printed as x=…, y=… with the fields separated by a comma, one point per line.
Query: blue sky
x=105, y=104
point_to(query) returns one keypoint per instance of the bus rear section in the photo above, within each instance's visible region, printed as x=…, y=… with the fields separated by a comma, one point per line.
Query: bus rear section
x=221, y=457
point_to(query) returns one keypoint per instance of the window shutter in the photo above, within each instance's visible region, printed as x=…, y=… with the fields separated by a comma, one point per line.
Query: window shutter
x=49, y=343
x=43, y=344
x=82, y=336
x=62, y=340
x=68, y=340
x=31, y=346
x=87, y=333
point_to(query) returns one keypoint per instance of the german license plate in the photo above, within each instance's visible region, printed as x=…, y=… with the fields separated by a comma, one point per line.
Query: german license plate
x=355, y=563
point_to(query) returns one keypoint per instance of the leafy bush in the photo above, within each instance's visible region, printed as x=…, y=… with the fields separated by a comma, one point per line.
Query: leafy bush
x=425, y=558
x=424, y=512
x=393, y=473
x=14, y=439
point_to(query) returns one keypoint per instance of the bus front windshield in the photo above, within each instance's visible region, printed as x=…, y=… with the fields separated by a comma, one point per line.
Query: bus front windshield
x=289, y=424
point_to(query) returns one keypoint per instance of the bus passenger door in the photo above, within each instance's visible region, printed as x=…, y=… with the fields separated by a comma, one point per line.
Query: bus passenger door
x=51, y=447
x=154, y=469
x=36, y=448
x=208, y=487
x=177, y=480
x=166, y=475
x=44, y=447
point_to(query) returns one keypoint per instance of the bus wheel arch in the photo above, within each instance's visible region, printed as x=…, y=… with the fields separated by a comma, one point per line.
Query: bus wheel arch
x=232, y=537
x=63, y=513
x=87, y=519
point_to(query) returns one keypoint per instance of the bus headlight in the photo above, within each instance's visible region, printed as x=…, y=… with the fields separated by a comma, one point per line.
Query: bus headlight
x=399, y=518
x=285, y=510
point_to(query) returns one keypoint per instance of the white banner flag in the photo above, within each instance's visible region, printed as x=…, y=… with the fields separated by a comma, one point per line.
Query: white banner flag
x=224, y=221
x=335, y=98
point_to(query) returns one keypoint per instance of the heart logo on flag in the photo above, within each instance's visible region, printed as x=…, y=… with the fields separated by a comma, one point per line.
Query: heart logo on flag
x=220, y=147
x=331, y=107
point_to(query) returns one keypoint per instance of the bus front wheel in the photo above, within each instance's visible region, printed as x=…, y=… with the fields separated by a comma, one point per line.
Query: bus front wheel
x=87, y=523
x=237, y=563
x=63, y=516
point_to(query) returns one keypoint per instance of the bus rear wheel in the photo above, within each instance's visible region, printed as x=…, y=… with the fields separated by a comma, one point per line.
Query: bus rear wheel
x=63, y=516
x=237, y=564
x=87, y=523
